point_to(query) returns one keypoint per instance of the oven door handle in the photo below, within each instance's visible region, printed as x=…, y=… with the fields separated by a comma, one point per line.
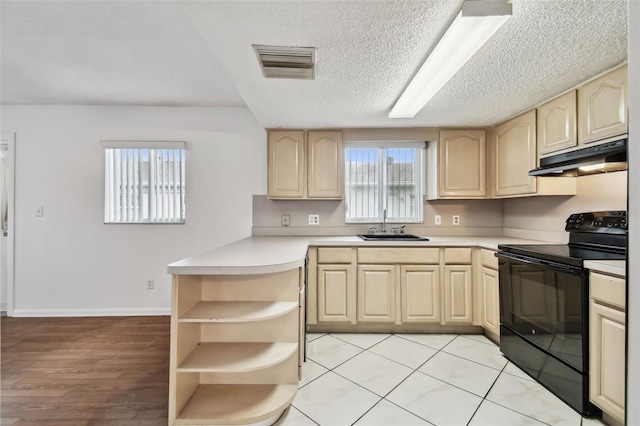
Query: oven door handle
x=541, y=263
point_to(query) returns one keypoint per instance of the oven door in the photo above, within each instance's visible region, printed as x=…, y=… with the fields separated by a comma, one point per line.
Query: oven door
x=545, y=303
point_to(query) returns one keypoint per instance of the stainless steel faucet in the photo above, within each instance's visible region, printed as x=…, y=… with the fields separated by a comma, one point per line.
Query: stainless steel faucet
x=384, y=220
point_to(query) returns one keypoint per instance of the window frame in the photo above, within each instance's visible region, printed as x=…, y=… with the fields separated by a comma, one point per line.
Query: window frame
x=383, y=184
x=161, y=178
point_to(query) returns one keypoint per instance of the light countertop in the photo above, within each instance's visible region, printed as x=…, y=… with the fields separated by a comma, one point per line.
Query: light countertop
x=614, y=267
x=261, y=255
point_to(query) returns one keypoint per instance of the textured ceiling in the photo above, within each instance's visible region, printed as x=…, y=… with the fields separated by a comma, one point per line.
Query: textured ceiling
x=199, y=54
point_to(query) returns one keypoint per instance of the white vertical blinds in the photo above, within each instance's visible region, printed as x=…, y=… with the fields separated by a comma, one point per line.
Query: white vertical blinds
x=144, y=182
x=379, y=177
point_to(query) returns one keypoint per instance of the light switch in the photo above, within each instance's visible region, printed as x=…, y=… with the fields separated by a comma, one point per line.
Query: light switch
x=39, y=211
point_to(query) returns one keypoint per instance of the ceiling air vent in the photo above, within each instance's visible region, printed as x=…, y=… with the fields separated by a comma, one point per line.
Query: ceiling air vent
x=287, y=62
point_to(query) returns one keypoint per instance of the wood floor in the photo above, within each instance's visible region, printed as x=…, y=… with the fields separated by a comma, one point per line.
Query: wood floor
x=85, y=371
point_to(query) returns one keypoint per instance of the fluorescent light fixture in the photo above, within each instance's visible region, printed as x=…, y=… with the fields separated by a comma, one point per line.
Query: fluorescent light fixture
x=473, y=26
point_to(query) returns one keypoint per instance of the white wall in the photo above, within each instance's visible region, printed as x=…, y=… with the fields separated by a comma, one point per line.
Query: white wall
x=68, y=262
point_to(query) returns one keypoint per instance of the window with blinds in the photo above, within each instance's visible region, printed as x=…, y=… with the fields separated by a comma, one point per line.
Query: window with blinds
x=381, y=177
x=144, y=182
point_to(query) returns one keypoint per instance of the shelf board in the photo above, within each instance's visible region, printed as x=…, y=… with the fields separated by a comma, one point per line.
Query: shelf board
x=235, y=404
x=236, y=312
x=236, y=357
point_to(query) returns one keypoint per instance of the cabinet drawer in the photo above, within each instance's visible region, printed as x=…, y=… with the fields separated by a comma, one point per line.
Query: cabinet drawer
x=334, y=254
x=458, y=256
x=608, y=289
x=399, y=255
x=488, y=259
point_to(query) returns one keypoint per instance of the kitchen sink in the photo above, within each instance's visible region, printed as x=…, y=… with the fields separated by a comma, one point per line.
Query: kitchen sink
x=392, y=237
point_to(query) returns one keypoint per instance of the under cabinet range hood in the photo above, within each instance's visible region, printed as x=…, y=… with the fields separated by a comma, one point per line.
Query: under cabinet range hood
x=603, y=158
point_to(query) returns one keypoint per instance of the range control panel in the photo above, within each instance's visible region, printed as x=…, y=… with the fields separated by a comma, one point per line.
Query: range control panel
x=612, y=222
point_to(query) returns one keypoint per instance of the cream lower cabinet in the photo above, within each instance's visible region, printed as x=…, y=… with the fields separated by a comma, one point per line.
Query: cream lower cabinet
x=336, y=294
x=331, y=283
x=235, y=347
x=395, y=288
x=607, y=344
x=420, y=293
x=490, y=293
x=458, y=296
x=457, y=288
x=378, y=292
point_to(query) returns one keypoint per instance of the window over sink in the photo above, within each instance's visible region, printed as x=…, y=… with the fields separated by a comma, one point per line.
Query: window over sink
x=383, y=176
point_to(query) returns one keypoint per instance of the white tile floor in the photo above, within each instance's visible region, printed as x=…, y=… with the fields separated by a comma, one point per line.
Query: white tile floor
x=419, y=379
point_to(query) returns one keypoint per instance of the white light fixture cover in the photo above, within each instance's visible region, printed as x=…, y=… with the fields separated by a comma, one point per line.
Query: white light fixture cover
x=476, y=22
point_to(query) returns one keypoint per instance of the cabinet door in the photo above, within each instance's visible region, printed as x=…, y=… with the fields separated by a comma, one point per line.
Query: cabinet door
x=557, y=124
x=458, y=297
x=461, y=167
x=336, y=294
x=285, y=151
x=515, y=154
x=377, y=293
x=420, y=292
x=603, y=107
x=325, y=164
x=490, y=301
x=607, y=359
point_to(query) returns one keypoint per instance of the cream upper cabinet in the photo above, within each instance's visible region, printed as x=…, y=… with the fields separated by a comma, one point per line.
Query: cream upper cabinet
x=557, y=124
x=607, y=343
x=325, y=164
x=462, y=164
x=305, y=165
x=420, y=293
x=286, y=156
x=514, y=155
x=603, y=107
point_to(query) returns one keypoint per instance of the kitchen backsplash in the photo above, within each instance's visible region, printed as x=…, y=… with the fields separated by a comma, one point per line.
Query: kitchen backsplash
x=543, y=218
x=477, y=217
x=539, y=218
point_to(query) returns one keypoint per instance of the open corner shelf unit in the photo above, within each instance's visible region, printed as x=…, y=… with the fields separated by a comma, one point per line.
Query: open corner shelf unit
x=236, y=347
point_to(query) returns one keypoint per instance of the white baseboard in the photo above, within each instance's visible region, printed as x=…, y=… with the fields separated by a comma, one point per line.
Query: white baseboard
x=91, y=312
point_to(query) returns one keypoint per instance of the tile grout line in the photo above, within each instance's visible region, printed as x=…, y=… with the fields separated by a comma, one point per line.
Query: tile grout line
x=442, y=349
x=500, y=405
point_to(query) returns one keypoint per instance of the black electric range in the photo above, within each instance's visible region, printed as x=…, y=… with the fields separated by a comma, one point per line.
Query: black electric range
x=544, y=295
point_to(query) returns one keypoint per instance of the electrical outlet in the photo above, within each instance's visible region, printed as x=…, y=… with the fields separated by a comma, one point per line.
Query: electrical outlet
x=438, y=219
x=456, y=219
x=285, y=220
x=39, y=211
x=150, y=284
x=314, y=219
